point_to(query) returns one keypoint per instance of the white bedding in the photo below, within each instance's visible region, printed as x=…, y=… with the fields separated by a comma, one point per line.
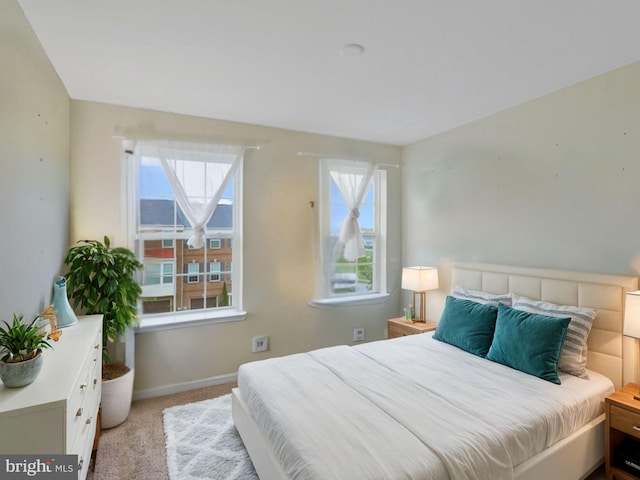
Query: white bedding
x=410, y=408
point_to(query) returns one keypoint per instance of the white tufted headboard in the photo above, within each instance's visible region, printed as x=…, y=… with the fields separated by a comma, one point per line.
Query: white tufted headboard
x=610, y=353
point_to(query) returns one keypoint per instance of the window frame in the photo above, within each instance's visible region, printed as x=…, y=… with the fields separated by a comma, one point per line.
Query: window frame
x=379, y=294
x=180, y=319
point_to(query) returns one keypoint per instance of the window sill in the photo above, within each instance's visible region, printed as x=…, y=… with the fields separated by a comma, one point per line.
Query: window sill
x=353, y=300
x=191, y=319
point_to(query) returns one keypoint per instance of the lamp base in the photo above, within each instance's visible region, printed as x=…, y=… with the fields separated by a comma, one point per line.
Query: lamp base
x=420, y=317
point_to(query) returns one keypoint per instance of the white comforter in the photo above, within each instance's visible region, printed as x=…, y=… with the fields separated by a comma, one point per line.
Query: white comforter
x=410, y=408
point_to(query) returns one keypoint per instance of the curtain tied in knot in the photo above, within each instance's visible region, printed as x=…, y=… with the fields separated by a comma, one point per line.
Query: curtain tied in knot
x=353, y=180
x=198, y=174
x=196, y=240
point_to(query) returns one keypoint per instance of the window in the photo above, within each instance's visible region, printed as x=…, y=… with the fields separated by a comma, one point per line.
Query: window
x=172, y=251
x=193, y=272
x=199, y=303
x=158, y=273
x=345, y=274
x=214, y=271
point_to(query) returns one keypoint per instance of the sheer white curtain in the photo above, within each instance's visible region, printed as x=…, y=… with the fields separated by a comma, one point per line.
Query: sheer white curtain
x=198, y=175
x=353, y=179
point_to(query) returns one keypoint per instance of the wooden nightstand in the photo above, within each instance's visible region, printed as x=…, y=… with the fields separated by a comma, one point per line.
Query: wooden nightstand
x=399, y=327
x=623, y=422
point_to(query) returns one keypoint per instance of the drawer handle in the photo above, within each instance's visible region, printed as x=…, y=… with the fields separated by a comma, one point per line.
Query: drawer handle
x=89, y=420
x=79, y=412
x=637, y=429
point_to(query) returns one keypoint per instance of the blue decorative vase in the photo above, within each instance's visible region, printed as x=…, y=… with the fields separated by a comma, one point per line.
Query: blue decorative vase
x=62, y=309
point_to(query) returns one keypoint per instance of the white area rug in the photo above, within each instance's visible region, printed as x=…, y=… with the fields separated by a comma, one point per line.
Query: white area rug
x=203, y=443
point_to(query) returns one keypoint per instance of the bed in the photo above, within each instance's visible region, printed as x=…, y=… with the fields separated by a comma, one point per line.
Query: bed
x=394, y=409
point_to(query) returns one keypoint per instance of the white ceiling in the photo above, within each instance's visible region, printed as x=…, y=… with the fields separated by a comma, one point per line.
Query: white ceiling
x=428, y=65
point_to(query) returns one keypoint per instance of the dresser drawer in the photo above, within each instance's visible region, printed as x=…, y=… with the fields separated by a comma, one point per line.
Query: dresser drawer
x=82, y=398
x=625, y=420
x=83, y=443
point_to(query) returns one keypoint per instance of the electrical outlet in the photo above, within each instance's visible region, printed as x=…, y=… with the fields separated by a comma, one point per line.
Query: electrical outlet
x=358, y=334
x=260, y=344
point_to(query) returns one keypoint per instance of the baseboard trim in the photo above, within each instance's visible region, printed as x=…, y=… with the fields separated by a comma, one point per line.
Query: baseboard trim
x=184, y=386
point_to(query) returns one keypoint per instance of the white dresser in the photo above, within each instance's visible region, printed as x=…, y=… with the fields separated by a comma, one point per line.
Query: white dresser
x=57, y=413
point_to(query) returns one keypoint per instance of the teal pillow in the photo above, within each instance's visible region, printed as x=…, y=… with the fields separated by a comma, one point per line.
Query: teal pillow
x=467, y=325
x=529, y=342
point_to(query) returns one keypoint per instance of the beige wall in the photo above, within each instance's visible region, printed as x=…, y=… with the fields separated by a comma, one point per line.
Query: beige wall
x=34, y=168
x=279, y=239
x=554, y=182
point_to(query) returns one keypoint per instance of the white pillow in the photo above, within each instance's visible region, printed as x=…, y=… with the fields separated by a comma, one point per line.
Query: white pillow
x=481, y=297
x=573, y=357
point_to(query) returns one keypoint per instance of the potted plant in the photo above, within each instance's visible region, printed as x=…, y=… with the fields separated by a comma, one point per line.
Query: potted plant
x=23, y=344
x=101, y=280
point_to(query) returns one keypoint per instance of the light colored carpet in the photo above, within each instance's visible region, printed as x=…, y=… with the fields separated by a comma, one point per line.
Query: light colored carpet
x=203, y=443
x=135, y=450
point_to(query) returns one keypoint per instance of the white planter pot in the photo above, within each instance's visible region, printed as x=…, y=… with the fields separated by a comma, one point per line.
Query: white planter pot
x=116, y=400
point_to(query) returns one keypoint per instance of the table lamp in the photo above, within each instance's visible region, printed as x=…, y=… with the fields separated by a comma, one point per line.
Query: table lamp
x=419, y=280
x=632, y=319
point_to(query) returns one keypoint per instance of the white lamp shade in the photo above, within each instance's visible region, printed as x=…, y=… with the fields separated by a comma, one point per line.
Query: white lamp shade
x=419, y=279
x=632, y=315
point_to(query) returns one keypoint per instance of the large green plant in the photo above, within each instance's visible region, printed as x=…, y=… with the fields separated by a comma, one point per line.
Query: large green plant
x=101, y=280
x=21, y=341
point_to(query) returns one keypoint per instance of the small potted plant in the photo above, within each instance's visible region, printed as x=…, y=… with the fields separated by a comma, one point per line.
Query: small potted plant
x=22, y=345
x=102, y=280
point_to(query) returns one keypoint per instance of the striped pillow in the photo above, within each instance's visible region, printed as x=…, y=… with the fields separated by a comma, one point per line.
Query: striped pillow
x=573, y=357
x=477, y=296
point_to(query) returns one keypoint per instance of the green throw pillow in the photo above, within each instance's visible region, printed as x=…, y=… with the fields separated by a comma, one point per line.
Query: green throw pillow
x=467, y=325
x=529, y=342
